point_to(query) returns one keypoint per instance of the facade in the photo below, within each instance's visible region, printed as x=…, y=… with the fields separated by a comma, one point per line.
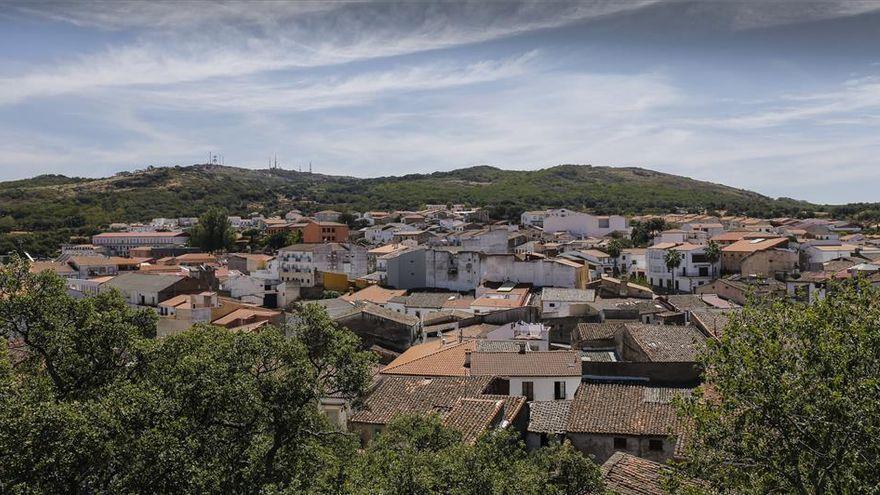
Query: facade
x=695, y=270
x=562, y=303
x=535, y=375
x=121, y=242
x=315, y=232
x=769, y=263
x=300, y=263
x=732, y=256
x=633, y=261
x=539, y=272
x=533, y=218
x=583, y=224
x=605, y=418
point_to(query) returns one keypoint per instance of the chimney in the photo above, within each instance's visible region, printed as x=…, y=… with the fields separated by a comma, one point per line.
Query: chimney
x=522, y=347
x=467, y=359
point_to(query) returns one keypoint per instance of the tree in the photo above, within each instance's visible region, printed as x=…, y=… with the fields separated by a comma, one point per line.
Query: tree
x=614, y=249
x=213, y=232
x=419, y=455
x=283, y=238
x=672, y=258
x=794, y=404
x=713, y=254
x=347, y=218
x=90, y=403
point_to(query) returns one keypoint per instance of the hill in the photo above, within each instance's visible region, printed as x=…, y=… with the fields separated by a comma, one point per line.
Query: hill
x=51, y=208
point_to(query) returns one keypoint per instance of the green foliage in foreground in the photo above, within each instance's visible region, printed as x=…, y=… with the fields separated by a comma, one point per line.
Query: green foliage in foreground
x=91, y=402
x=419, y=455
x=795, y=402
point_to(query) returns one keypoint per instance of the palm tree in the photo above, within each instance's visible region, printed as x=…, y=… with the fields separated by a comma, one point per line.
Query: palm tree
x=614, y=248
x=673, y=261
x=713, y=254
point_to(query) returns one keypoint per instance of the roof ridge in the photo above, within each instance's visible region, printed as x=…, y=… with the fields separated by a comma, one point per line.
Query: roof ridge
x=446, y=348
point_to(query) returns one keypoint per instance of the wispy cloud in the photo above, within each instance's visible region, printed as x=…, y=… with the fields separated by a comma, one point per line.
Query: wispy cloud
x=233, y=39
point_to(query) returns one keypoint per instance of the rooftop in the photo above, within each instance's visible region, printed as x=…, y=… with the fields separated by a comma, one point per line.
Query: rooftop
x=667, y=343
x=625, y=409
x=531, y=363
x=548, y=416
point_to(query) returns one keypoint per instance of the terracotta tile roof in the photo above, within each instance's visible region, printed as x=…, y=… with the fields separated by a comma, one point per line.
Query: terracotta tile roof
x=472, y=417
x=626, y=474
x=712, y=321
x=246, y=314
x=668, y=343
x=375, y=294
x=403, y=394
x=91, y=261
x=549, y=416
x=432, y=359
x=753, y=245
x=532, y=363
x=596, y=331
x=140, y=234
x=54, y=266
x=730, y=236
x=625, y=409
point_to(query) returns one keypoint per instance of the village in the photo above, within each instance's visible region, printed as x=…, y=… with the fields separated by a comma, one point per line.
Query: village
x=559, y=327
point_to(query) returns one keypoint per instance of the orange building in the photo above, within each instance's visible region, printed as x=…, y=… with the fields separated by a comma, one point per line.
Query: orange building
x=316, y=232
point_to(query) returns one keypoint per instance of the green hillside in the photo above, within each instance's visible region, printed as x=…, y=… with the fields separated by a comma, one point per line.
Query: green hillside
x=52, y=208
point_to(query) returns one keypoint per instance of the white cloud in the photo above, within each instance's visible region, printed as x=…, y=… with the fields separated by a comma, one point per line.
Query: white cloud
x=225, y=42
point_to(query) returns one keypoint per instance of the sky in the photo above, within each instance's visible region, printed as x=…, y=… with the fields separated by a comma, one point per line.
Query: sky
x=781, y=97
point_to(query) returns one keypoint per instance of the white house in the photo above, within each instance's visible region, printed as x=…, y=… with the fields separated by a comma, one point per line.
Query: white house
x=695, y=270
x=300, y=262
x=533, y=218
x=817, y=252
x=583, y=224
x=560, y=303
x=536, y=375
x=633, y=261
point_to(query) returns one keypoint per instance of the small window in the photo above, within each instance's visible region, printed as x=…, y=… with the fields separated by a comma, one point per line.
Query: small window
x=619, y=443
x=559, y=390
x=655, y=445
x=528, y=390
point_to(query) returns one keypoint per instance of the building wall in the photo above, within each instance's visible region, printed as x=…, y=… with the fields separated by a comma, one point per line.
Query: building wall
x=491, y=242
x=583, y=224
x=457, y=271
x=769, y=263
x=407, y=270
x=315, y=233
x=601, y=446
x=544, y=387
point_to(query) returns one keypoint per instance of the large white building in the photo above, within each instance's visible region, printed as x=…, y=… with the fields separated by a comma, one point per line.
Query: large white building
x=300, y=262
x=695, y=270
x=122, y=242
x=583, y=224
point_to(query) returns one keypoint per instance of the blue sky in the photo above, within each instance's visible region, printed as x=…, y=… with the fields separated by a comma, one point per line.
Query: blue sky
x=781, y=97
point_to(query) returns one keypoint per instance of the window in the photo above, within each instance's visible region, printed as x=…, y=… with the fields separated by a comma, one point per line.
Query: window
x=559, y=390
x=655, y=445
x=528, y=390
x=619, y=443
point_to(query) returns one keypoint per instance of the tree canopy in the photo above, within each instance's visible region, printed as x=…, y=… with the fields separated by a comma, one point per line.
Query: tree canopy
x=213, y=232
x=418, y=455
x=792, y=402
